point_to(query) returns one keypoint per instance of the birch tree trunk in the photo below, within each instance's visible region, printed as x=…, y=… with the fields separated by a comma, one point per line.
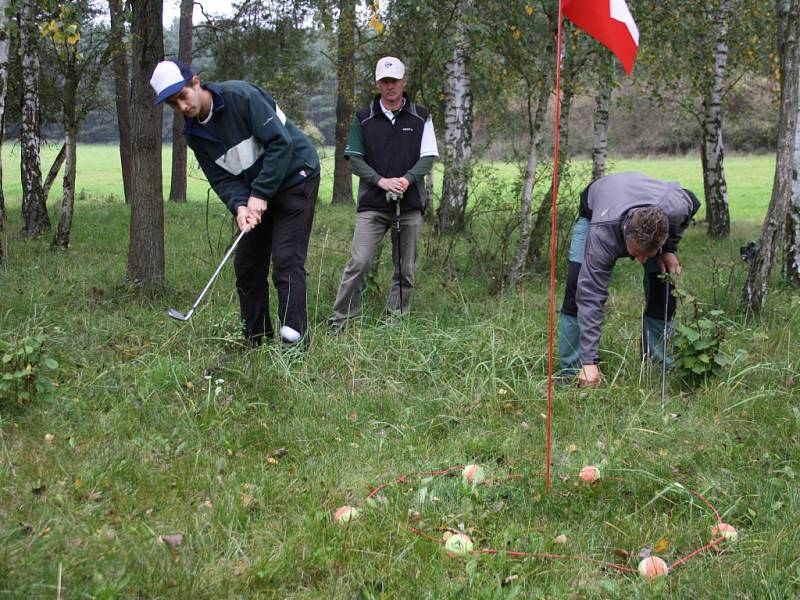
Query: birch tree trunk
x=714, y=186
x=345, y=101
x=61, y=238
x=34, y=209
x=457, y=132
x=146, y=245
x=515, y=271
x=543, y=215
x=122, y=94
x=58, y=162
x=755, y=288
x=605, y=69
x=791, y=249
x=177, y=185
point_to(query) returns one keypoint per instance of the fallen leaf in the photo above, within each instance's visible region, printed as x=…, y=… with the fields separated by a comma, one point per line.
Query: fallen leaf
x=561, y=539
x=661, y=545
x=26, y=528
x=189, y=385
x=525, y=425
x=645, y=552
x=622, y=553
x=272, y=461
x=280, y=453
x=510, y=579
x=572, y=448
x=353, y=417
x=48, y=438
x=247, y=500
x=172, y=540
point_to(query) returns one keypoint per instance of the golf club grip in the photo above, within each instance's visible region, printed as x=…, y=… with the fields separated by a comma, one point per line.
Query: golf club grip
x=219, y=267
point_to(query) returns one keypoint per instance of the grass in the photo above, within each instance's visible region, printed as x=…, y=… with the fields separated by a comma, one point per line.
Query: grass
x=162, y=428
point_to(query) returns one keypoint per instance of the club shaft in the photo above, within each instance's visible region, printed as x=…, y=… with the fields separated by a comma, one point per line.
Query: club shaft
x=218, y=269
x=664, y=340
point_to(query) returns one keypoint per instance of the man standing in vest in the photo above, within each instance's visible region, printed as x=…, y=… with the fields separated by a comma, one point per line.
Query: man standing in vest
x=391, y=147
x=267, y=173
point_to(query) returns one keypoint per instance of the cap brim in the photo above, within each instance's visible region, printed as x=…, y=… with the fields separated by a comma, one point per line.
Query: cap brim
x=169, y=91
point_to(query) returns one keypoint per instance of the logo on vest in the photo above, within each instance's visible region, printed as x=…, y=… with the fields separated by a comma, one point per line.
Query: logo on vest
x=408, y=129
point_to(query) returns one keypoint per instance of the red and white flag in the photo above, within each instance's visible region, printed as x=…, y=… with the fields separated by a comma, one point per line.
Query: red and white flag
x=610, y=23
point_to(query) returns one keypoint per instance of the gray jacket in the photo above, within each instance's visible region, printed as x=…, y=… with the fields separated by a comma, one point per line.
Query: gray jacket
x=610, y=198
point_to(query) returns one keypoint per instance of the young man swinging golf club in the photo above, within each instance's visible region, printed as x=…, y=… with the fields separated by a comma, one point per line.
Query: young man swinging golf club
x=621, y=215
x=267, y=173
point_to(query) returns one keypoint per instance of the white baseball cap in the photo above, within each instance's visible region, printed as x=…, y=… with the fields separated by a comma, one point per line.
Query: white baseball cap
x=168, y=78
x=389, y=66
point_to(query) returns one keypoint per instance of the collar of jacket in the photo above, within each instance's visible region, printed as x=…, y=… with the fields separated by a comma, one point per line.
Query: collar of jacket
x=376, y=105
x=192, y=127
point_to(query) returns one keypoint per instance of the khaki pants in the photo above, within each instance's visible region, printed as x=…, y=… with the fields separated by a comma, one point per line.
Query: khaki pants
x=371, y=227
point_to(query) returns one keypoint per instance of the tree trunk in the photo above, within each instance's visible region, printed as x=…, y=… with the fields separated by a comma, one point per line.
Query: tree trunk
x=457, y=133
x=755, y=288
x=345, y=101
x=714, y=186
x=58, y=162
x=3, y=81
x=61, y=238
x=122, y=93
x=791, y=249
x=605, y=69
x=177, y=186
x=514, y=274
x=543, y=215
x=34, y=209
x=146, y=246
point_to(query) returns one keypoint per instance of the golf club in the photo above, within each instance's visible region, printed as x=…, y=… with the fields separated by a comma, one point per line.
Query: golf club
x=179, y=316
x=664, y=339
x=392, y=197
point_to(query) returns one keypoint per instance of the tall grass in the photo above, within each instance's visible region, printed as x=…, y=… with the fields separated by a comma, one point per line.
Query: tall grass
x=162, y=428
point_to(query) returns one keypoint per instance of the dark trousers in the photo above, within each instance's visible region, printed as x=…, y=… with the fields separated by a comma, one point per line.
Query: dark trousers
x=653, y=292
x=282, y=236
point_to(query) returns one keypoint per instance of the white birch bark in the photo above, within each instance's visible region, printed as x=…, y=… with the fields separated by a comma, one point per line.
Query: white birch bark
x=34, y=209
x=715, y=188
x=755, y=289
x=791, y=253
x=457, y=133
x=515, y=271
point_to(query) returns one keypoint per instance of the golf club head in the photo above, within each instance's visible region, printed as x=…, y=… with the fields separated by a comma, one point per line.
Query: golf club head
x=179, y=316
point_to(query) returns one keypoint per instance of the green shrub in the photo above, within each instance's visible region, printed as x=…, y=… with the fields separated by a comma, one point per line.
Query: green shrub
x=698, y=338
x=22, y=368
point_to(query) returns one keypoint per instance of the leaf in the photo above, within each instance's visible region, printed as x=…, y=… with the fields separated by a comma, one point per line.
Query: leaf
x=661, y=545
x=172, y=540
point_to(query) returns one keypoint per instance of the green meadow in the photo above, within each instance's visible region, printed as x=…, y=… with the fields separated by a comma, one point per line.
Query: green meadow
x=168, y=461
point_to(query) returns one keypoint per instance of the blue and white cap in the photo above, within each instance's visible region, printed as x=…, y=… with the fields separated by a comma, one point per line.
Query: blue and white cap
x=168, y=78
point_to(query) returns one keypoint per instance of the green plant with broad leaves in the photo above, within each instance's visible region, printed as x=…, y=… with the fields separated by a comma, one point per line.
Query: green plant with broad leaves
x=697, y=339
x=22, y=367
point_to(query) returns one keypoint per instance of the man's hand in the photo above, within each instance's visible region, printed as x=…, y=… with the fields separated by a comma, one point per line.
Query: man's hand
x=668, y=263
x=249, y=216
x=589, y=376
x=398, y=185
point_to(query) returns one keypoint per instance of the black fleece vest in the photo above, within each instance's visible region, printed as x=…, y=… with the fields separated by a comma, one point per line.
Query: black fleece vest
x=391, y=149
